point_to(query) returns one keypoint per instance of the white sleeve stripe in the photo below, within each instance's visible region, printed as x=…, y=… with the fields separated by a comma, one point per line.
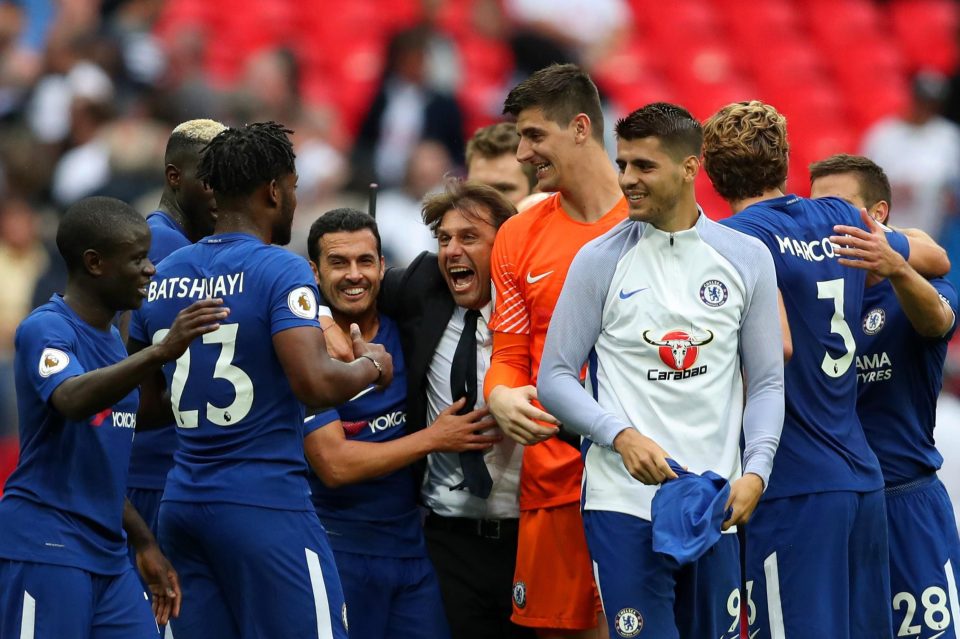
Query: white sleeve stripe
x=774, y=606
x=320, y=602
x=520, y=326
x=952, y=590
x=509, y=311
x=28, y=622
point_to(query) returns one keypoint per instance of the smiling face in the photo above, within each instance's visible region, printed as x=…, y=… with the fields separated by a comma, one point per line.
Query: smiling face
x=349, y=272
x=465, y=242
x=549, y=147
x=125, y=270
x=654, y=183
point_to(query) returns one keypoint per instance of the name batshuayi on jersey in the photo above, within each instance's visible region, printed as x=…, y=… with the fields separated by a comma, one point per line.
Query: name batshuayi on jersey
x=823, y=301
x=240, y=427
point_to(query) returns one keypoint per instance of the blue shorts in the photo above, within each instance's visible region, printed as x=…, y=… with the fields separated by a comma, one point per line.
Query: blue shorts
x=392, y=597
x=44, y=601
x=817, y=566
x=252, y=572
x=643, y=592
x=924, y=560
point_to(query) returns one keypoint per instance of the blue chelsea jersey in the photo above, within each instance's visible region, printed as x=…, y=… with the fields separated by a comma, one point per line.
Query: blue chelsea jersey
x=378, y=516
x=240, y=426
x=152, y=455
x=899, y=374
x=63, y=504
x=823, y=447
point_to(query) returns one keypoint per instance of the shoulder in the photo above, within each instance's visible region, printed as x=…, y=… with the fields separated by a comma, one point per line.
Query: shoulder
x=45, y=321
x=730, y=240
x=525, y=220
x=946, y=290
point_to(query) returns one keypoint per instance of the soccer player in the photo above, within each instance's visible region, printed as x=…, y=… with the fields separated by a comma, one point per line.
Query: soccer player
x=825, y=477
x=185, y=214
x=64, y=571
x=666, y=345
x=492, y=160
x=374, y=525
x=236, y=518
x=561, y=134
x=902, y=339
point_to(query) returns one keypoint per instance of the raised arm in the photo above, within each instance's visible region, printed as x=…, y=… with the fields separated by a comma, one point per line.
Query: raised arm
x=83, y=395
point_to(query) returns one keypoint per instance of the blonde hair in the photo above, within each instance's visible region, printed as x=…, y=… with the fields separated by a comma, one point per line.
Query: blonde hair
x=200, y=131
x=745, y=149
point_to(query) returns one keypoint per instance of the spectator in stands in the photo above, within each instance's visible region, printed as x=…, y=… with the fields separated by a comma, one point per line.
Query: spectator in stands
x=492, y=160
x=398, y=211
x=22, y=260
x=920, y=152
x=405, y=111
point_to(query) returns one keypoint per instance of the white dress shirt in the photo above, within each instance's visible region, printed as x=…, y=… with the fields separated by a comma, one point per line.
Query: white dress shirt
x=443, y=469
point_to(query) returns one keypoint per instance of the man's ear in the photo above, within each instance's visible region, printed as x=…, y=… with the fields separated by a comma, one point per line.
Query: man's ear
x=582, y=127
x=173, y=176
x=93, y=262
x=880, y=211
x=316, y=271
x=273, y=193
x=691, y=168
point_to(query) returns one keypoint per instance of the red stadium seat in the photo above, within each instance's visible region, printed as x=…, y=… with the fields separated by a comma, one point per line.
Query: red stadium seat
x=798, y=62
x=703, y=100
x=927, y=32
x=662, y=22
x=9, y=452
x=836, y=23
x=757, y=25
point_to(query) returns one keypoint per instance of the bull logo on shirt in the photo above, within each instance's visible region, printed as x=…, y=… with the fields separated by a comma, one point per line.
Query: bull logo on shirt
x=678, y=349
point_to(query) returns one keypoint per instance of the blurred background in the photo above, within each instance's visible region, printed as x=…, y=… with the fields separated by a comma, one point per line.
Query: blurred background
x=390, y=90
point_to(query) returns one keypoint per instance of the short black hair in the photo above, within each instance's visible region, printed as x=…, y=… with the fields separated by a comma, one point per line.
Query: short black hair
x=874, y=184
x=338, y=220
x=238, y=160
x=563, y=91
x=96, y=223
x=679, y=133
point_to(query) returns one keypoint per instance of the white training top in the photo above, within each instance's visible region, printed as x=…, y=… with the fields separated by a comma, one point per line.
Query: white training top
x=665, y=322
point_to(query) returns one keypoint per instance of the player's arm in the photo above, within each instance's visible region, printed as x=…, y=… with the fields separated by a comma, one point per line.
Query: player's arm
x=574, y=329
x=83, y=395
x=338, y=460
x=319, y=380
x=156, y=571
x=785, y=329
x=764, y=406
x=507, y=385
x=872, y=251
x=871, y=248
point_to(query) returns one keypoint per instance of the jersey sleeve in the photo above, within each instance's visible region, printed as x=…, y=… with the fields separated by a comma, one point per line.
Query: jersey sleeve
x=763, y=411
x=948, y=294
x=574, y=329
x=46, y=345
x=295, y=300
x=510, y=312
x=899, y=243
x=318, y=421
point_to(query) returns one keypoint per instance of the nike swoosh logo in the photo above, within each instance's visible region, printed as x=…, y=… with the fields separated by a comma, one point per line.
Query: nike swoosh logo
x=533, y=279
x=624, y=295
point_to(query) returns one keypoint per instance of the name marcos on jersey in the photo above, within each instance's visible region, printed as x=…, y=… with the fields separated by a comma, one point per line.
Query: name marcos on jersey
x=679, y=350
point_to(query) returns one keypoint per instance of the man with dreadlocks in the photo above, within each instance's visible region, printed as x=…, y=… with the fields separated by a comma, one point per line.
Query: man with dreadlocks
x=236, y=516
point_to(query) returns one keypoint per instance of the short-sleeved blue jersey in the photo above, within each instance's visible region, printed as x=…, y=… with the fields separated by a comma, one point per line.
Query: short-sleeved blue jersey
x=823, y=447
x=899, y=374
x=240, y=426
x=152, y=455
x=379, y=516
x=63, y=504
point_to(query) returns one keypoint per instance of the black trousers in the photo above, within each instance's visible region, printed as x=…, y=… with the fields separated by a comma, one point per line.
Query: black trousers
x=475, y=560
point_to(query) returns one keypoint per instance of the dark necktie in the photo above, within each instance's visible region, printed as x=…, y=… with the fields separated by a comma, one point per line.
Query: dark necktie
x=463, y=383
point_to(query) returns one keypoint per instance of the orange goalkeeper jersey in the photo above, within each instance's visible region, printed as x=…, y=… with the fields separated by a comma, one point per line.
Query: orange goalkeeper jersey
x=530, y=260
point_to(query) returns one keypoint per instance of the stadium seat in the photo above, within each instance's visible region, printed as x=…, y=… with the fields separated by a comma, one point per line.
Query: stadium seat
x=757, y=25
x=9, y=452
x=663, y=22
x=927, y=31
x=835, y=23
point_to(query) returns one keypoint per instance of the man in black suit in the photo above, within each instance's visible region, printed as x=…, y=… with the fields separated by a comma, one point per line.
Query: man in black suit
x=442, y=304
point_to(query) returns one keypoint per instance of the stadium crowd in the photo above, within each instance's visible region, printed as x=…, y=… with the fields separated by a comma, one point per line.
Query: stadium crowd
x=585, y=362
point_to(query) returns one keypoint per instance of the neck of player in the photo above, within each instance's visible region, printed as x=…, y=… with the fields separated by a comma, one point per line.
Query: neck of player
x=85, y=302
x=769, y=194
x=244, y=221
x=368, y=321
x=168, y=204
x=594, y=190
